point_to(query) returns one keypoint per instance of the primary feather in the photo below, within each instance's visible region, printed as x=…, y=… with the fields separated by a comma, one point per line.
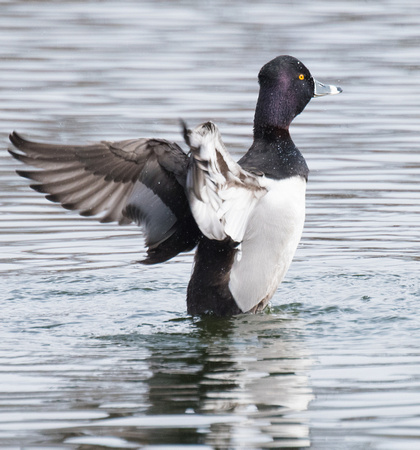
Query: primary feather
x=140, y=180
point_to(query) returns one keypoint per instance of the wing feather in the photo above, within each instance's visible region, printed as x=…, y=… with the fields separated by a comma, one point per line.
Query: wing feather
x=99, y=180
x=222, y=195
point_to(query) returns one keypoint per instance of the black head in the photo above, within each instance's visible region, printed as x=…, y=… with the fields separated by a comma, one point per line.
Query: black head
x=286, y=87
x=291, y=77
x=286, y=70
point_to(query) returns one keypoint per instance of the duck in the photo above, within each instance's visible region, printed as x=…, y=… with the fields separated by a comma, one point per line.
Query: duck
x=245, y=219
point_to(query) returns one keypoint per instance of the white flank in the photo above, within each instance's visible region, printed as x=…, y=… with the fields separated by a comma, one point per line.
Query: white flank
x=272, y=235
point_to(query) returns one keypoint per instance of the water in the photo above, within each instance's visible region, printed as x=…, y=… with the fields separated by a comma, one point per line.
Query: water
x=96, y=350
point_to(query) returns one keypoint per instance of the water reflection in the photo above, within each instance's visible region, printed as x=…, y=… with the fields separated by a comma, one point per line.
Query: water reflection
x=91, y=356
x=251, y=369
x=226, y=384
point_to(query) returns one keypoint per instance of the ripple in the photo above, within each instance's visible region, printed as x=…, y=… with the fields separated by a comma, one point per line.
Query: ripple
x=97, y=350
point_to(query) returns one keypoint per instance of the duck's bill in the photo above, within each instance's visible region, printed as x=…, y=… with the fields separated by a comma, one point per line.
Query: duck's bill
x=325, y=89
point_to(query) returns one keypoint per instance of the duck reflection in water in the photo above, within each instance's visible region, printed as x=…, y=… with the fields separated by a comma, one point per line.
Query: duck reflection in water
x=227, y=383
x=245, y=218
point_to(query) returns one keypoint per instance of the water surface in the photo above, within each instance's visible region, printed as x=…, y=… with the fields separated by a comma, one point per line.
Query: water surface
x=96, y=350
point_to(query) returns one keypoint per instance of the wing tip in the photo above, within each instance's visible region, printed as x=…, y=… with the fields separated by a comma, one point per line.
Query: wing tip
x=23, y=173
x=16, y=139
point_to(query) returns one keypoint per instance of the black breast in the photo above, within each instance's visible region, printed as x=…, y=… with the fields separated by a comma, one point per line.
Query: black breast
x=208, y=290
x=276, y=157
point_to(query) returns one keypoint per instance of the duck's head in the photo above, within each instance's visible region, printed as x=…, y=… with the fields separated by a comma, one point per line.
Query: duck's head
x=286, y=87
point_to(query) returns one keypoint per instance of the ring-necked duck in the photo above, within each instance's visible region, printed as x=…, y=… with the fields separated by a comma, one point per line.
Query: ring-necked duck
x=246, y=217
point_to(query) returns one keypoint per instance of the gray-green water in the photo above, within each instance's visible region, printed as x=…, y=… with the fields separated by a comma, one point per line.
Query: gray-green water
x=97, y=351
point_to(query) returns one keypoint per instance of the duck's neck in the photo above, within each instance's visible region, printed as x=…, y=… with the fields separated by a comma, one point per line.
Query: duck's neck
x=273, y=114
x=269, y=133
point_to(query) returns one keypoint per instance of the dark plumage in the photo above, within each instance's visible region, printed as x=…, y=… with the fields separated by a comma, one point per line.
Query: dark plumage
x=204, y=199
x=138, y=180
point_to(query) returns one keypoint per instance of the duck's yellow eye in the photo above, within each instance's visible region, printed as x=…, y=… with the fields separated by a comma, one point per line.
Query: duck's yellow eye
x=301, y=76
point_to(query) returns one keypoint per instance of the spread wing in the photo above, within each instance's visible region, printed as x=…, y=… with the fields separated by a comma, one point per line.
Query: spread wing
x=222, y=195
x=140, y=180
